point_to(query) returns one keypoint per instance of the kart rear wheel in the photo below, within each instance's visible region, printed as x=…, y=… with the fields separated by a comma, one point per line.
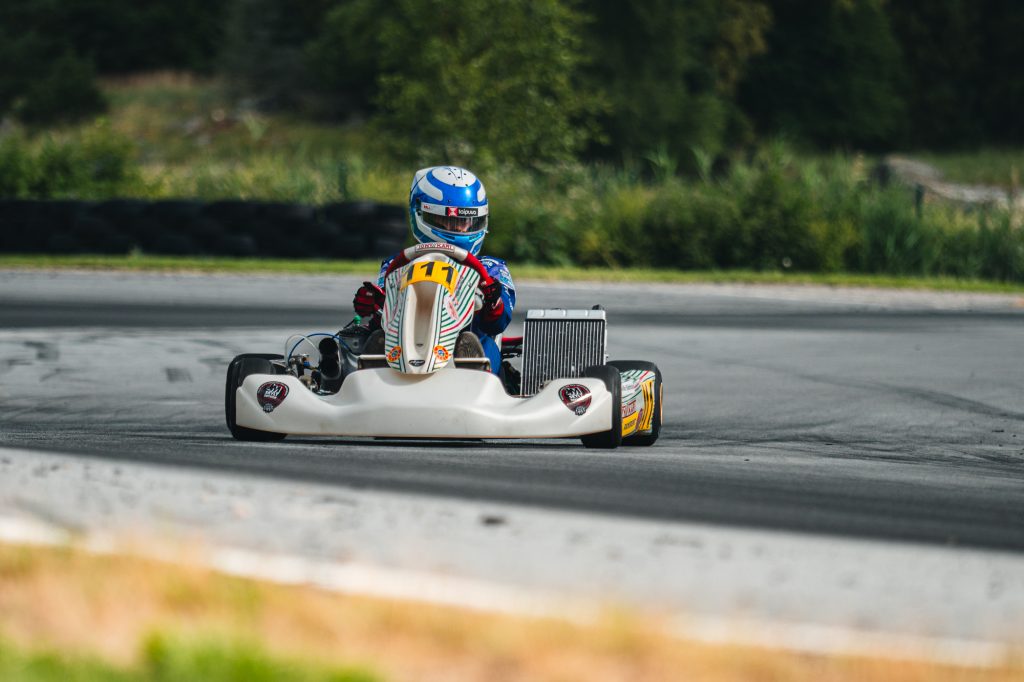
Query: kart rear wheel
x=611, y=438
x=644, y=439
x=241, y=367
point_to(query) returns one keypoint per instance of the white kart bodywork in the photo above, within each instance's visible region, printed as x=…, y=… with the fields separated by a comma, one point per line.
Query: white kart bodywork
x=423, y=393
x=450, y=403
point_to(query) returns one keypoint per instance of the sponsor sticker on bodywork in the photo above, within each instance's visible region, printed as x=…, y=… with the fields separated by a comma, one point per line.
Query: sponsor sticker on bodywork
x=271, y=394
x=394, y=354
x=441, y=353
x=576, y=397
x=433, y=247
x=431, y=271
x=628, y=408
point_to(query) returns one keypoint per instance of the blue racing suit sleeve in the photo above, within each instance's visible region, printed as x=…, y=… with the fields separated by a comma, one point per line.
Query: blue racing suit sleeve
x=498, y=269
x=383, y=269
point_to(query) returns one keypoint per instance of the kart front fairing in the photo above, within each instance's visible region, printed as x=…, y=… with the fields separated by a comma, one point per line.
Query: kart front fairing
x=449, y=403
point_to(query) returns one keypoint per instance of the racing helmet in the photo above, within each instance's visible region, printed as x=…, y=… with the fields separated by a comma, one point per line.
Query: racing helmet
x=448, y=204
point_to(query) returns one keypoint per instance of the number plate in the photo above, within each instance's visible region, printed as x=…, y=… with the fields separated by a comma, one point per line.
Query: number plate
x=431, y=271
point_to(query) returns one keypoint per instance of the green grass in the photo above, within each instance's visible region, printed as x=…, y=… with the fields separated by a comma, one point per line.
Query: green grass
x=192, y=142
x=145, y=263
x=178, y=119
x=172, y=660
x=998, y=167
x=190, y=264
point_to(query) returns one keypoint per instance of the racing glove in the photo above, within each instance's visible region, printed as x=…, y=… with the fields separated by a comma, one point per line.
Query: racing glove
x=368, y=300
x=494, y=306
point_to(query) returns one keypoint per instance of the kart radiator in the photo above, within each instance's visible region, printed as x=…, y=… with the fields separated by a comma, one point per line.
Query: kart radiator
x=561, y=343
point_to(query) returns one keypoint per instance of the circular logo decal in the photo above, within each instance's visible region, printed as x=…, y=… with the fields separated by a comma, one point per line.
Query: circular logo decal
x=271, y=394
x=576, y=397
x=441, y=353
x=394, y=353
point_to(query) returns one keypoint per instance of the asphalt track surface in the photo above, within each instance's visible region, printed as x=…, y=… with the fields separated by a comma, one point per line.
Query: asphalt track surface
x=867, y=415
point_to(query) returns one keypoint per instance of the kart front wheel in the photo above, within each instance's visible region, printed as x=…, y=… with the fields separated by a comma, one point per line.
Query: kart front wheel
x=611, y=438
x=651, y=436
x=241, y=367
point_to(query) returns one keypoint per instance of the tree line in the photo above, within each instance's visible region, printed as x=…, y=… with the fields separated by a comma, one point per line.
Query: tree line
x=540, y=81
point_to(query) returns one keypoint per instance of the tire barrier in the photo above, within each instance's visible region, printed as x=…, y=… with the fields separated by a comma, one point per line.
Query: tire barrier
x=184, y=227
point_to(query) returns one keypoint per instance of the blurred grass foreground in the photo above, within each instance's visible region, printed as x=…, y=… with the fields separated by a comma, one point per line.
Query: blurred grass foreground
x=124, y=619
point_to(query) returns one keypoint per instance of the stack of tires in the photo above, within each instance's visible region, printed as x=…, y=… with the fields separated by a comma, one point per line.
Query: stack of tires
x=184, y=227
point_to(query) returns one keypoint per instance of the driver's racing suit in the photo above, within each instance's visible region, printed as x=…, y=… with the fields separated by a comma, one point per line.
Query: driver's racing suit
x=486, y=324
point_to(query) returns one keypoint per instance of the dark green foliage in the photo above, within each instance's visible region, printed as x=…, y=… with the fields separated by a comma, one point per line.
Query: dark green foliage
x=964, y=59
x=43, y=79
x=941, y=43
x=344, y=58
x=264, y=55
x=1002, y=98
x=832, y=75
x=128, y=36
x=663, y=79
x=670, y=69
x=50, y=50
x=66, y=91
x=470, y=81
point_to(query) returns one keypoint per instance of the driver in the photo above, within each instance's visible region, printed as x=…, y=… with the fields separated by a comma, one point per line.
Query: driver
x=449, y=204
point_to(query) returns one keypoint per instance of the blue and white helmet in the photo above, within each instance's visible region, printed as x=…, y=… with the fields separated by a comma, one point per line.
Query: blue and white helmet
x=448, y=204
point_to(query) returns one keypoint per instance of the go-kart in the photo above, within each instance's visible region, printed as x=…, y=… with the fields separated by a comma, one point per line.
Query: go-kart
x=421, y=385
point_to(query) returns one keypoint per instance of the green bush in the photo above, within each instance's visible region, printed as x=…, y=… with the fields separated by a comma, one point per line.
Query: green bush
x=670, y=70
x=92, y=163
x=449, y=91
x=773, y=212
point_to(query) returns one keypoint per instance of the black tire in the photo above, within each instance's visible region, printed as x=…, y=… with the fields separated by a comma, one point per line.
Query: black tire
x=644, y=439
x=241, y=367
x=611, y=438
x=348, y=213
x=237, y=245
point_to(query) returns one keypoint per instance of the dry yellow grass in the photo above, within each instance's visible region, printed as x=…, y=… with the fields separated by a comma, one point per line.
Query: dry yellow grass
x=107, y=605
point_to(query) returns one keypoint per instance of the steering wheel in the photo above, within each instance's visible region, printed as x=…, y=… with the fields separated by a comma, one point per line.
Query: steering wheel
x=454, y=252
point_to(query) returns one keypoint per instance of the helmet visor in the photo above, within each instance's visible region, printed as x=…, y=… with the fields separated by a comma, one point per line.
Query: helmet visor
x=457, y=219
